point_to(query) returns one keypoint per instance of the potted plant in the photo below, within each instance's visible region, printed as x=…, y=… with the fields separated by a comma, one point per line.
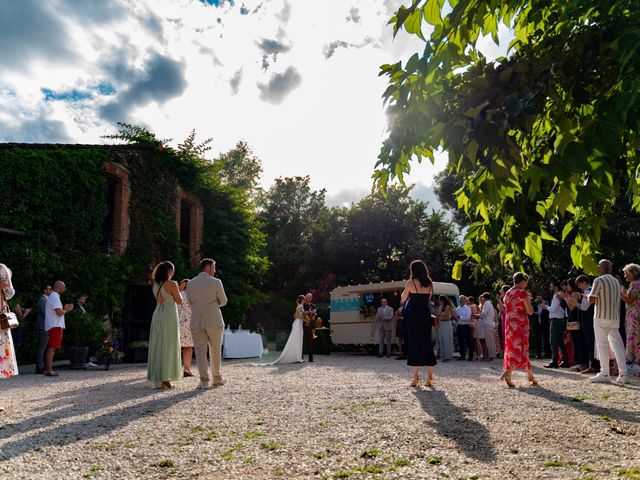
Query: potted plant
x=82, y=332
x=137, y=352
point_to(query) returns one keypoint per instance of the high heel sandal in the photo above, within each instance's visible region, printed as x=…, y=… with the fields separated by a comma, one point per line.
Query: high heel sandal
x=167, y=385
x=416, y=382
x=506, y=376
x=429, y=383
x=532, y=380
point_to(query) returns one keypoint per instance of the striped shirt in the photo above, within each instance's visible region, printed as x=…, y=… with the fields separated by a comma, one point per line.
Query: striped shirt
x=606, y=290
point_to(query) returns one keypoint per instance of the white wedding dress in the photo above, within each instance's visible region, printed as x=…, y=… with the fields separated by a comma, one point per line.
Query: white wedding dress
x=292, y=352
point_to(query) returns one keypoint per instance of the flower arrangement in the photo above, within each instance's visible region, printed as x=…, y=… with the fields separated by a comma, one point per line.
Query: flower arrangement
x=108, y=352
x=309, y=316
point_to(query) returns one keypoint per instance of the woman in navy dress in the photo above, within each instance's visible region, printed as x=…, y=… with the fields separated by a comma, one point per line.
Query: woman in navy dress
x=417, y=294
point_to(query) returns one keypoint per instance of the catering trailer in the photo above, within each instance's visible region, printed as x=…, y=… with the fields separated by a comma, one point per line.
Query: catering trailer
x=353, y=309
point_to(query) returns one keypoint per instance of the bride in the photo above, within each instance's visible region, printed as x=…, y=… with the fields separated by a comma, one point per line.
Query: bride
x=292, y=352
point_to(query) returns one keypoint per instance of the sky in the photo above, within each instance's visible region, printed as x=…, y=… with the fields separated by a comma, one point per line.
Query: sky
x=297, y=80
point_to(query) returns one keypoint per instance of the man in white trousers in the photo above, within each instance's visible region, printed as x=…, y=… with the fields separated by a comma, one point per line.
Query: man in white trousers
x=206, y=295
x=605, y=294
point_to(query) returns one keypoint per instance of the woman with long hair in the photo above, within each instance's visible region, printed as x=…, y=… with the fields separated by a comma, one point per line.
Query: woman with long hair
x=8, y=363
x=416, y=297
x=165, y=364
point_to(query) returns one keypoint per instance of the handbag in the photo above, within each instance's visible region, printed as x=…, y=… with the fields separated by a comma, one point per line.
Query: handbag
x=9, y=319
x=573, y=326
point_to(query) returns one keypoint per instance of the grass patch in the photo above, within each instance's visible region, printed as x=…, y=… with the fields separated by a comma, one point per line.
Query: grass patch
x=474, y=477
x=585, y=468
x=373, y=470
x=606, y=418
x=210, y=436
x=270, y=446
x=167, y=464
x=197, y=429
x=606, y=397
x=631, y=473
x=401, y=462
x=185, y=443
x=278, y=473
x=227, y=456
x=342, y=474
x=373, y=453
x=319, y=456
x=578, y=398
x=252, y=435
x=434, y=460
x=93, y=471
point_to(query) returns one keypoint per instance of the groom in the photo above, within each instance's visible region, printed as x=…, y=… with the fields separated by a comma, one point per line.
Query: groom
x=206, y=295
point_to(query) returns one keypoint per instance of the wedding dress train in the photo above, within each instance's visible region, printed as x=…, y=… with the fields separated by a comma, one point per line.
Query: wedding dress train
x=292, y=352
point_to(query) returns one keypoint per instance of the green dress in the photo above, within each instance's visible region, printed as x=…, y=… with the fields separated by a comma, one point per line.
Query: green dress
x=165, y=360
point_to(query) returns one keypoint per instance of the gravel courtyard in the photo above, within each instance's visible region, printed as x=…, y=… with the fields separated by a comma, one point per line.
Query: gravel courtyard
x=340, y=417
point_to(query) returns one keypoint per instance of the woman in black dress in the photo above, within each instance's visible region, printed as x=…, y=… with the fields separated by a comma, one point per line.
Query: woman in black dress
x=417, y=294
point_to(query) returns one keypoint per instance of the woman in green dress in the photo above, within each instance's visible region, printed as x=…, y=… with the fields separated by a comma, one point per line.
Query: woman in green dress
x=165, y=361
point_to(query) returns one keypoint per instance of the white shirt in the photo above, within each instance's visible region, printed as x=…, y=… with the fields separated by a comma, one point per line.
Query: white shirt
x=487, y=315
x=51, y=318
x=463, y=314
x=555, y=309
x=584, y=305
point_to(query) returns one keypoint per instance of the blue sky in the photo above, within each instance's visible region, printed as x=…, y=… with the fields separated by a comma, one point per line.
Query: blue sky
x=297, y=80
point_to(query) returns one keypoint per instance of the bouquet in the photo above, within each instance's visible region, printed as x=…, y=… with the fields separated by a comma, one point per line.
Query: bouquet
x=108, y=352
x=309, y=316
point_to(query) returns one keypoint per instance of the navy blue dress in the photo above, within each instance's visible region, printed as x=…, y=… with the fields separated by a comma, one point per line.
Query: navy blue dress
x=417, y=315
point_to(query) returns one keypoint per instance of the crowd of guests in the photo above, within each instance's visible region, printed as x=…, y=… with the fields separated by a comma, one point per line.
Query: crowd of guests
x=583, y=325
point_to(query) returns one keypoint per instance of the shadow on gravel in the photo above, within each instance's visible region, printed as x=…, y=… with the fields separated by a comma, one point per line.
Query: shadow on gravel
x=584, y=406
x=85, y=401
x=451, y=421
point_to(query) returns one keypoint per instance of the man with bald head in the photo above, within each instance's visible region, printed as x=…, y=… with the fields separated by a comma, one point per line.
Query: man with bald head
x=605, y=294
x=54, y=324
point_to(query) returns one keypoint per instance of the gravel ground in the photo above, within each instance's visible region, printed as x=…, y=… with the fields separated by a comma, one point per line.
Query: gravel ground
x=340, y=417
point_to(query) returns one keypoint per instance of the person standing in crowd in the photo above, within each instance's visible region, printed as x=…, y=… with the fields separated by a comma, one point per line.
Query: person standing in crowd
x=486, y=327
x=543, y=349
x=309, y=325
x=384, y=319
x=573, y=297
x=400, y=335
x=207, y=297
x=186, y=338
x=81, y=301
x=444, y=315
x=8, y=363
x=42, y=336
x=586, y=323
x=605, y=294
x=556, y=328
x=474, y=327
x=54, y=324
x=463, y=315
x=416, y=297
x=516, y=341
x=631, y=298
x=164, y=365
x=502, y=312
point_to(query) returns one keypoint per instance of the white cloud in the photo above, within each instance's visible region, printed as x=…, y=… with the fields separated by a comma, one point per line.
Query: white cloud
x=256, y=70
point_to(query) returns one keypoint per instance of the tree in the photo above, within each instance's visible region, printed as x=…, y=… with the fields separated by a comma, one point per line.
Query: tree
x=240, y=168
x=446, y=185
x=548, y=135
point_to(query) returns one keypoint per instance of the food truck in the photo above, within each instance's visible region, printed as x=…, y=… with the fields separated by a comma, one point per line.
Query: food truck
x=353, y=309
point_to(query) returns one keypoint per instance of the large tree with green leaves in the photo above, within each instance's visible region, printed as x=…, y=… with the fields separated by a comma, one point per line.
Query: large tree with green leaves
x=547, y=135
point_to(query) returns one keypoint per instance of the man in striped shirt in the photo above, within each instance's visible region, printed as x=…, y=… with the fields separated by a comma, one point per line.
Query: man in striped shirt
x=605, y=294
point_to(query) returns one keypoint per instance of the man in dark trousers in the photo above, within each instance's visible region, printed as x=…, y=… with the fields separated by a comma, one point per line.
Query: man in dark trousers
x=309, y=325
x=42, y=336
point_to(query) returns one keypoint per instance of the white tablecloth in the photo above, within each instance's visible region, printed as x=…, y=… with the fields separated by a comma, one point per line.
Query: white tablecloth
x=241, y=345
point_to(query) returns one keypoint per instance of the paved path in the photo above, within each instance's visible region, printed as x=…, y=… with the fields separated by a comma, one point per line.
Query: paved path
x=341, y=417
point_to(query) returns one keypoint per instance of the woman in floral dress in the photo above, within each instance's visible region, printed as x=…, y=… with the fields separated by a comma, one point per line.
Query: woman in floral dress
x=631, y=297
x=8, y=363
x=518, y=307
x=186, y=339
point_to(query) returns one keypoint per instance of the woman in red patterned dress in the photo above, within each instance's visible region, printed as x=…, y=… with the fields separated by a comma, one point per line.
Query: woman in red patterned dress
x=518, y=307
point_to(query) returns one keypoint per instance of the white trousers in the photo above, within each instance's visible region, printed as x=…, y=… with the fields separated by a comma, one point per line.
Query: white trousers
x=610, y=337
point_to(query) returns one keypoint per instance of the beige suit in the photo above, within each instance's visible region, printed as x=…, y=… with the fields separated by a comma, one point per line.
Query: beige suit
x=206, y=295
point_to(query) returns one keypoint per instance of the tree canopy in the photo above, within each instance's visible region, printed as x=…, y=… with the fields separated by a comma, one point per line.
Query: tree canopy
x=545, y=136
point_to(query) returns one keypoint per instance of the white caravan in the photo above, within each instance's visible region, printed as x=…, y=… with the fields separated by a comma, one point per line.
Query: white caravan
x=353, y=309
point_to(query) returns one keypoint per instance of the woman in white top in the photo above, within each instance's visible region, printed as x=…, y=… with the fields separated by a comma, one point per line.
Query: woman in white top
x=486, y=327
x=186, y=338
